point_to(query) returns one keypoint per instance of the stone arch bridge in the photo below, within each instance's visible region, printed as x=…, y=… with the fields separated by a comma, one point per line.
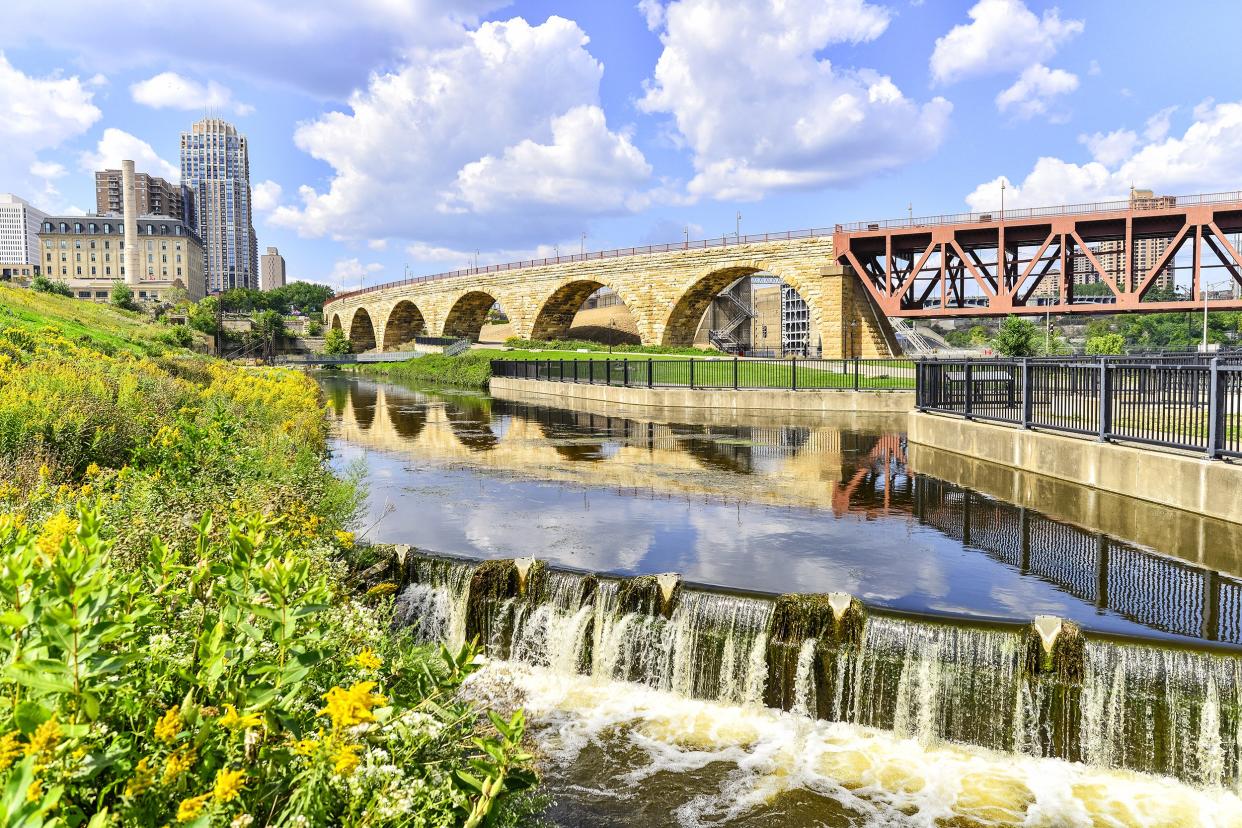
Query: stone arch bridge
x=667, y=289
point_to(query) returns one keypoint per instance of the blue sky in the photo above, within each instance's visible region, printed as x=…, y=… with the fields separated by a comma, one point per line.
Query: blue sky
x=386, y=134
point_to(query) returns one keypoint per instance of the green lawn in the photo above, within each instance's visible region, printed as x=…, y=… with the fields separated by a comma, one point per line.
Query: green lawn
x=80, y=320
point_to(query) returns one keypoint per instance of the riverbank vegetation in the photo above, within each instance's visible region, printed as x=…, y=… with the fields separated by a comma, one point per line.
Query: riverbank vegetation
x=185, y=638
x=519, y=344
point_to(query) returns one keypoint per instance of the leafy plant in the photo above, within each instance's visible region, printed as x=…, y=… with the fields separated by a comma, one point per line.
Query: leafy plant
x=336, y=342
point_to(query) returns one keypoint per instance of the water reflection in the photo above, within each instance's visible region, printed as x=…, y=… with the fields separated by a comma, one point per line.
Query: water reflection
x=814, y=506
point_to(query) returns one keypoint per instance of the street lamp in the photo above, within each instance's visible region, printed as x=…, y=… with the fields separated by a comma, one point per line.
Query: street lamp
x=686, y=232
x=1204, y=290
x=738, y=232
x=582, y=244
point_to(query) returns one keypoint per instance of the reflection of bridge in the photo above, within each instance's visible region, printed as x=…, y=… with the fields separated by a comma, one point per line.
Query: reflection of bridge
x=794, y=465
x=1148, y=254
x=1152, y=590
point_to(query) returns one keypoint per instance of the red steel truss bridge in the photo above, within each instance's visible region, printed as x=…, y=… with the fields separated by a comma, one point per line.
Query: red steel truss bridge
x=1147, y=253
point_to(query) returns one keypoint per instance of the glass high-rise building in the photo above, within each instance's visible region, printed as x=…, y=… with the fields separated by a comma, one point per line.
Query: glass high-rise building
x=215, y=166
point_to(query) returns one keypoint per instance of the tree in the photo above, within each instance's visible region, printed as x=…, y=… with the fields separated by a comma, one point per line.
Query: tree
x=123, y=296
x=266, y=327
x=1106, y=344
x=1017, y=338
x=336, y=342
x=45, y=285
x=306, y=297
x=202, y=316
x=978, y=335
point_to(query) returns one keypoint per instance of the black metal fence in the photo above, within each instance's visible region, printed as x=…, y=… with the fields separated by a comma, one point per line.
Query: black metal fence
x=791, y=374
x=1192, y=404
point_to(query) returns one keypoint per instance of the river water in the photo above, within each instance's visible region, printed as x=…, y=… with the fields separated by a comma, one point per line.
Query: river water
x=678, y=720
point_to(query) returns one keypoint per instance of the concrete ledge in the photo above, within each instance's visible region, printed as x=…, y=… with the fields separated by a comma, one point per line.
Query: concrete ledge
x=720, y=399
x=1206, y=487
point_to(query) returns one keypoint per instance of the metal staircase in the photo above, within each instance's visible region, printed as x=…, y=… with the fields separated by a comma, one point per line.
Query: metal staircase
x=911, y=338
x=736, y=312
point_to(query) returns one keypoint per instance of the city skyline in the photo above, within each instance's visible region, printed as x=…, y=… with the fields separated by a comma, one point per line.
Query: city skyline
x=869, y=110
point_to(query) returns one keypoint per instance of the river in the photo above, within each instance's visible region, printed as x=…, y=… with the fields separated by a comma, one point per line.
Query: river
x=636, y=730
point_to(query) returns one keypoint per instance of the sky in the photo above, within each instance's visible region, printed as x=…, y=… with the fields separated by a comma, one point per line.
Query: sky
x=389, y=136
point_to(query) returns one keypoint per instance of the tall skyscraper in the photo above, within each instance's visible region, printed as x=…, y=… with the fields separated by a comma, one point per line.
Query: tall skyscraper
x=215, y=166
x=272, y=274
x=155, y=196
x=19, y=230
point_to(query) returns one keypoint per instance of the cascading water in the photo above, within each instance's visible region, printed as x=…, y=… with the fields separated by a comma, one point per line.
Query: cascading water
x=1151, y=709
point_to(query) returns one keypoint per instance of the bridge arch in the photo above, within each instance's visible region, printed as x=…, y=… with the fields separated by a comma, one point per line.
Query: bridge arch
x=468, y=315
x=404, y=323
x=558, y=312
x=361, y=331
x=683, y=320
x=336, y=322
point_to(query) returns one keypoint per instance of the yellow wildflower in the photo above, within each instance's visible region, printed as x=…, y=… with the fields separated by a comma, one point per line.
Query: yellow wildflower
x=44, y=472
x=228, y=784
x=190, y=808
x=143, y=778
x=305, y=747
x=178, y=763
x=346, y=759
x=92, y=470
x=58, y=527
x=86, y=490
x=235, y=721
x=45, y=738
x=380, y=590
x=169, y=725
x=366, y=659
x=35, y=792
x=10, y=749
x=349, y=707
x=345, y=539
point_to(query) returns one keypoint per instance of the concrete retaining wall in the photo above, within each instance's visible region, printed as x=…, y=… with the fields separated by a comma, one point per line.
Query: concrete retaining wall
x=1206, y=487
x=720, y=399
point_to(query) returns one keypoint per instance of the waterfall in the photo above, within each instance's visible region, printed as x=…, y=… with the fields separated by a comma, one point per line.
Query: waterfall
x=1146, y=708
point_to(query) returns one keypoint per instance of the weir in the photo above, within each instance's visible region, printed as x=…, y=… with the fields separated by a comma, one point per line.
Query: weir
x=1022, y=690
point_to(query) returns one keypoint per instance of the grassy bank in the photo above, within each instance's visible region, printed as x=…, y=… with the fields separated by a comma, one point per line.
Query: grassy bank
x=184, y=642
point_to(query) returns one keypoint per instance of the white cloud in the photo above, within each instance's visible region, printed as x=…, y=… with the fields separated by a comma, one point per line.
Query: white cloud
x=117, y=145
x=1206, y=158
x=38, y=113
x=47, y=169
x=265, y=196
x=325, y=47
x=1112, y=147
x=1003, y=35
x=1033, y=92
x=761, y=109
x=1157, y=125
x=348, y=274
x=170, y=90
x=585, y=164
x=653, y=13
x=378, y=244
x=499, y=137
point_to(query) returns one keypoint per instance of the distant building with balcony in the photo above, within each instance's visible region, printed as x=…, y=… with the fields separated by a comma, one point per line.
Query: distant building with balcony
x=87, y=254
x=155, y=196
x=215, y=166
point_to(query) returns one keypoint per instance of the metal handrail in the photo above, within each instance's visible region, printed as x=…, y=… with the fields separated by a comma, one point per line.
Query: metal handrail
x=732, y=239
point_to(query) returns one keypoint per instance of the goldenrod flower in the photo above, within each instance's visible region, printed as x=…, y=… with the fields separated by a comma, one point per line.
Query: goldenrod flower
x=92, y=470
x=143, y=778
x=366, y=659
x=345, y=539
x=178, y=763
x=169, y=725
x=10, y=749
x=346, y=759
x=305, y=747
x=190, y=808
x=45, y=738
x=228, y=784
x=58, y=527
x=235, y=721
x=35, y=792
x=349, y=707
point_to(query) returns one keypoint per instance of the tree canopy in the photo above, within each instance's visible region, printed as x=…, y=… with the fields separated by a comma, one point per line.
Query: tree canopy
x=305, y=297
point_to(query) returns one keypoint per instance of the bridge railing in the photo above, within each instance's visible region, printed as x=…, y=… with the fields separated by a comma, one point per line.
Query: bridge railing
x=1194, y=405
x=790, y=374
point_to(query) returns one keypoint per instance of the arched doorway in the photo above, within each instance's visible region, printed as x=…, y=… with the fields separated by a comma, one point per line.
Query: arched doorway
x=468, y=315
x=585, y=309
x=361, y=331
x=404, y=323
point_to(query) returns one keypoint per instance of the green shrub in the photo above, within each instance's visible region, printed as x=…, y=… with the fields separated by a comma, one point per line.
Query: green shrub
x=42, y=284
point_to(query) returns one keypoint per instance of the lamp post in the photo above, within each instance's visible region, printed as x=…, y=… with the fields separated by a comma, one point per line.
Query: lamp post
x=737, y=233
x=686, y=232
x=1204, y=290
x=582, y=244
